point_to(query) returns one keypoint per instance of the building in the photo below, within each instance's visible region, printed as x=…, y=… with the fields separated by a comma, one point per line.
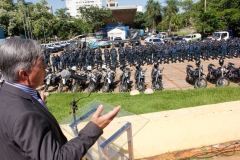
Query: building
x=73, y=5
x=111, y=3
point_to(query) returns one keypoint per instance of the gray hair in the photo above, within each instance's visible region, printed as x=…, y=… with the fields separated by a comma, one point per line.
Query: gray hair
x=18, y=54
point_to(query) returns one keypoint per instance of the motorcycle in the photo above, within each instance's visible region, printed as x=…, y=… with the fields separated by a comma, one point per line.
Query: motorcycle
x=124, y=79
x=157, y=83
x=195, y=76
x=108, y=78
x=66, y=81
x=233, y=72
x=140, y=80
x=94, y=80
x=79, y=83
x=218, y=74
x=51, y=79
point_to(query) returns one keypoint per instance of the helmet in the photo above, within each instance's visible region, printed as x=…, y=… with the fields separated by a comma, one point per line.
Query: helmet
x=112, y=67
x=104, y=67
x=74, y=68
x=221, y=61
x=137, y=66
x=89, y=68
x=155, y=65
x=198, y=62
x=121, y=67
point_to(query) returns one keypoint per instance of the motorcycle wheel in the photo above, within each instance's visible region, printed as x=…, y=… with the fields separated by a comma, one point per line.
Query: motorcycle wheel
x=60, y=87
x=141, y=87
x=74, y=88
x=123, y=87
x=222, y=81
x=45, y=88
x=208, y=77
x=158, y=85
x=91, y=87
x=105, y=87
x=200, y=83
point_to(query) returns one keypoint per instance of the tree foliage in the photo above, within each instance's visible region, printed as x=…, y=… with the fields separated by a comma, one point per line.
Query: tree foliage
x=154, y=16
x=95, y=16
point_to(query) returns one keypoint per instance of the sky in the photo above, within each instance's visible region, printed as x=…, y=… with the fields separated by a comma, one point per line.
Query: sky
x=57, y=4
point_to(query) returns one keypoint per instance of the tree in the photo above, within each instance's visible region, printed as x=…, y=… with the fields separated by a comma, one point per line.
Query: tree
x=170, y=10
x=140, y=20
x=95, y=16
x=153, y=9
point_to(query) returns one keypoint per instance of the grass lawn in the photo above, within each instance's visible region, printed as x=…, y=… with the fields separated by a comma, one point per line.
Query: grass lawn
x=59, y=103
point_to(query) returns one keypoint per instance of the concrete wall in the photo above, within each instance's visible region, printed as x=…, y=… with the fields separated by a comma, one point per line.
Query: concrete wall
x=188, y=128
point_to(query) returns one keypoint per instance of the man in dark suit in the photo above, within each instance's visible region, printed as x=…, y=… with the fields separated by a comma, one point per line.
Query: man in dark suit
x=27, y=129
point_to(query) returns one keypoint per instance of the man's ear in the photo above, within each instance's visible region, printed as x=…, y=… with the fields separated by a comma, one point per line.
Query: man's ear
x=22, y=75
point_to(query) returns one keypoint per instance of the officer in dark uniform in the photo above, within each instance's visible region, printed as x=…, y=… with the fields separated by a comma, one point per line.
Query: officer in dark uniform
x=166, y=55
x=140, y=56
x=81, y=61
x=63, y=65
x=215, y=50
x=198, y=50
x=224, y=49
x=98, y=58
x=174, y=53
x=149, y=55
x=105, y=51
x=114, y=57
x=232, y=50
x=58, y=61
x=122, y=56
x=47, y=57
x=181, y=53
x=127, y=53
x=191, y=52
x=54, y=63
x=107, y=59
x=132, y=57
x=89, y=59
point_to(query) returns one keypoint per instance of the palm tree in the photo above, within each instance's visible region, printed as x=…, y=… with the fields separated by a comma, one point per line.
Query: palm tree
x=153, y=9
x=170, y=10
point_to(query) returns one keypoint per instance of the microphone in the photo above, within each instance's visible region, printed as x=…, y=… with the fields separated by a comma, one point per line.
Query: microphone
x=67, y=74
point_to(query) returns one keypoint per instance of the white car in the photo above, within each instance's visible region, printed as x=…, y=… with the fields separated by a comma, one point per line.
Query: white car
x=153, y=40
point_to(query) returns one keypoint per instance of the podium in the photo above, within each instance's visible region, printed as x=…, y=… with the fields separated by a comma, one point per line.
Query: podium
x=116, y=143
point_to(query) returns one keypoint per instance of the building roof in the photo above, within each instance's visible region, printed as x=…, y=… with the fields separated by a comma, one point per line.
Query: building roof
x=123, y=14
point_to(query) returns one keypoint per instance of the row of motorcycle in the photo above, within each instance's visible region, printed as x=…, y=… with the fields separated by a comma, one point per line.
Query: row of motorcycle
x=73, y=81
x=221, y=75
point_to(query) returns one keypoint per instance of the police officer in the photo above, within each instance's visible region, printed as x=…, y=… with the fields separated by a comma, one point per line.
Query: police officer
x=174, y=53
x=149, y=55
x=81, y=61
x=121, y=57
x=98, y=58
x=114, y=57
x=224, y=49
x=58, y=61
x=54, y=63
x=90, y=59
x=191, y=52
x=107, y=59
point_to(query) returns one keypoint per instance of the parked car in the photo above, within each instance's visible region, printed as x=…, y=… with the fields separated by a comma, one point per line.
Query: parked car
x=179, y=40
x=207, y=39
x=58, y=46
x=153, y=40
x=117, y=42
x=144, y=36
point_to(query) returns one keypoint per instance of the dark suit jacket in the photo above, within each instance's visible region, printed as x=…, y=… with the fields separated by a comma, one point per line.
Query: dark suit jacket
x=29, y=131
